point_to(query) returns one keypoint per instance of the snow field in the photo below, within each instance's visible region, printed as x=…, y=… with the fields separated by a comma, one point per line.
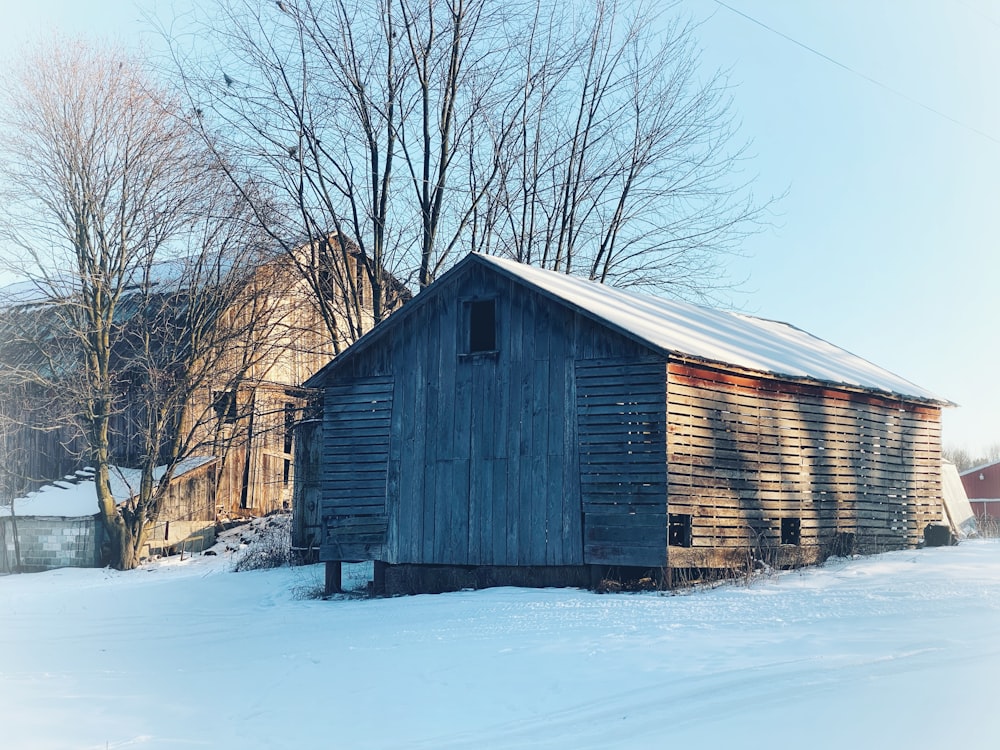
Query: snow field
x=897, y=650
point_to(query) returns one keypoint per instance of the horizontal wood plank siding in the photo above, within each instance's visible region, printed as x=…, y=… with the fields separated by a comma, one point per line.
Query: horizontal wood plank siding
x=357, y=416
x=744, y=453
x=621, y=423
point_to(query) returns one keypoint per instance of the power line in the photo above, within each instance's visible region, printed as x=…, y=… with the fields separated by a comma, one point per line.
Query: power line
x=979, y=13
x=860, y=74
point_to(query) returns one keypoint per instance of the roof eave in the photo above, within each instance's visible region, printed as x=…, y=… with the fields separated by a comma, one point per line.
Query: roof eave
x=379, y=329
x=811, y=382
x=397, y=317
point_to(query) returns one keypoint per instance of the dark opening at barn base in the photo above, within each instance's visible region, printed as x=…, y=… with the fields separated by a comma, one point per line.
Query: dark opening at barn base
x=689, y=567
x=394, y=580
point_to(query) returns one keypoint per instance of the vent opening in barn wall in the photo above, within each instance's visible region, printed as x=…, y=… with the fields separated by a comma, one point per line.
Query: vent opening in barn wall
x=791, y=531
x=605, y=430
x=679, y=530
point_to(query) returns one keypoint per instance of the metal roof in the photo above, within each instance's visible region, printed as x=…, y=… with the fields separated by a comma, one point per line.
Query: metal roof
x=714, y=336
x=979, y=467
x=682, y=329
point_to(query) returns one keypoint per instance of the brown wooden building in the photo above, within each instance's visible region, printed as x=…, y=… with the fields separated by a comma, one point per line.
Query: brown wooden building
x=514, y=425
x=243, y=416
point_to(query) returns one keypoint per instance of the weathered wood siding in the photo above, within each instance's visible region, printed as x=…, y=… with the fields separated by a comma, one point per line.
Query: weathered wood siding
x=306, y=505
x=483, y=458
x=191, y=496
x=621, y=416
x=37, y=443
x=572, y=444
x=743, y=453
x=280, y=341
x=356, y=456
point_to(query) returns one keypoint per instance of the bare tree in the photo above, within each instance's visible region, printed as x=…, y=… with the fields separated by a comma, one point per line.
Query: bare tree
x=964, y=459
x=316, y=124
x=582, y=138
x=136, y=245
x=626, y=165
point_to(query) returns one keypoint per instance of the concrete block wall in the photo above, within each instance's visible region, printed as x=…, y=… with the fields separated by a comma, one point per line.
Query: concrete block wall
x=49, y=542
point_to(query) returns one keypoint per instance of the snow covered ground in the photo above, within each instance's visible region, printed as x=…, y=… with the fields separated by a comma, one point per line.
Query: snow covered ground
x=900, y=650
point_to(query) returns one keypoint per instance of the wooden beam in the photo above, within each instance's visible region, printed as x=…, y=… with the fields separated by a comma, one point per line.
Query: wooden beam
x=332, y=583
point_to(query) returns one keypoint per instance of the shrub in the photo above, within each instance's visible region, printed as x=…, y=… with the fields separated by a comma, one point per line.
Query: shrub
x=268, y=543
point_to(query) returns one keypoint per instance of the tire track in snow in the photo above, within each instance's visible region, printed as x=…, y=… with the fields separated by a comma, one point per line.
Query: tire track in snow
x=647, y=716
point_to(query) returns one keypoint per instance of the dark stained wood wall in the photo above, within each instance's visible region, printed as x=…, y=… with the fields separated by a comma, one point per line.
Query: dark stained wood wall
x=621, y=419
x=743, y=453
x=483, y=462
x=308, y=486
x=29, y=456
x=355, y=467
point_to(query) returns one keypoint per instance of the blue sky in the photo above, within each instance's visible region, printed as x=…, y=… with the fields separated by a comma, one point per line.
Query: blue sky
x=884, y=243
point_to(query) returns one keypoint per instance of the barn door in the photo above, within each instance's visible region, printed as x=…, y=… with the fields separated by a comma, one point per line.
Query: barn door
x=356, y=422
x=621, y=427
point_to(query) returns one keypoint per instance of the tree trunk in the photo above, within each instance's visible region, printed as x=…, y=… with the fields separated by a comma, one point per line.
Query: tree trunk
x=124, y=542
x=124, y=536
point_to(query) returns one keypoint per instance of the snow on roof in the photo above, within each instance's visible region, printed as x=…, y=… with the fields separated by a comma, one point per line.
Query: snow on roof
x=165, y=275
x=72, y=501
x=956, y=503
x=704, y=333
x=76, y=497
x=979, y=467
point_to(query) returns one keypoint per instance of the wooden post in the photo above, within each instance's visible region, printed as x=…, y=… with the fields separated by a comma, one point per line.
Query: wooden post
x=332, y=584
x=596, y=576
x=378, y=577
x=667, y=578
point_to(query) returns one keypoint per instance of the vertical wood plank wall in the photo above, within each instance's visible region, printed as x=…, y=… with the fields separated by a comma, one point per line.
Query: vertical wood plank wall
x=478, y=472
x=483, y=464
x=621, y=417
x=307, y=525
x=742, y=455
x=31, y=457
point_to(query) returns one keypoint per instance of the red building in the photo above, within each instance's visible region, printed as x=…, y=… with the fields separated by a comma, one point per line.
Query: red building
x=982, y=485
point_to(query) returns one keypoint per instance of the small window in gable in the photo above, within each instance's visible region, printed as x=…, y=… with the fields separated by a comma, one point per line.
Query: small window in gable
x=481, y=316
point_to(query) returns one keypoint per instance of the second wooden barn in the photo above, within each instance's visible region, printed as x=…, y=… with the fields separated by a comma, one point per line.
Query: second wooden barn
x=512, y=425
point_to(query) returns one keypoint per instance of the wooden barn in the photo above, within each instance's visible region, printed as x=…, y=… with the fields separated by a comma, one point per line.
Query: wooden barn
x=982, y=486
x=512, y=425
x=242, y=413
